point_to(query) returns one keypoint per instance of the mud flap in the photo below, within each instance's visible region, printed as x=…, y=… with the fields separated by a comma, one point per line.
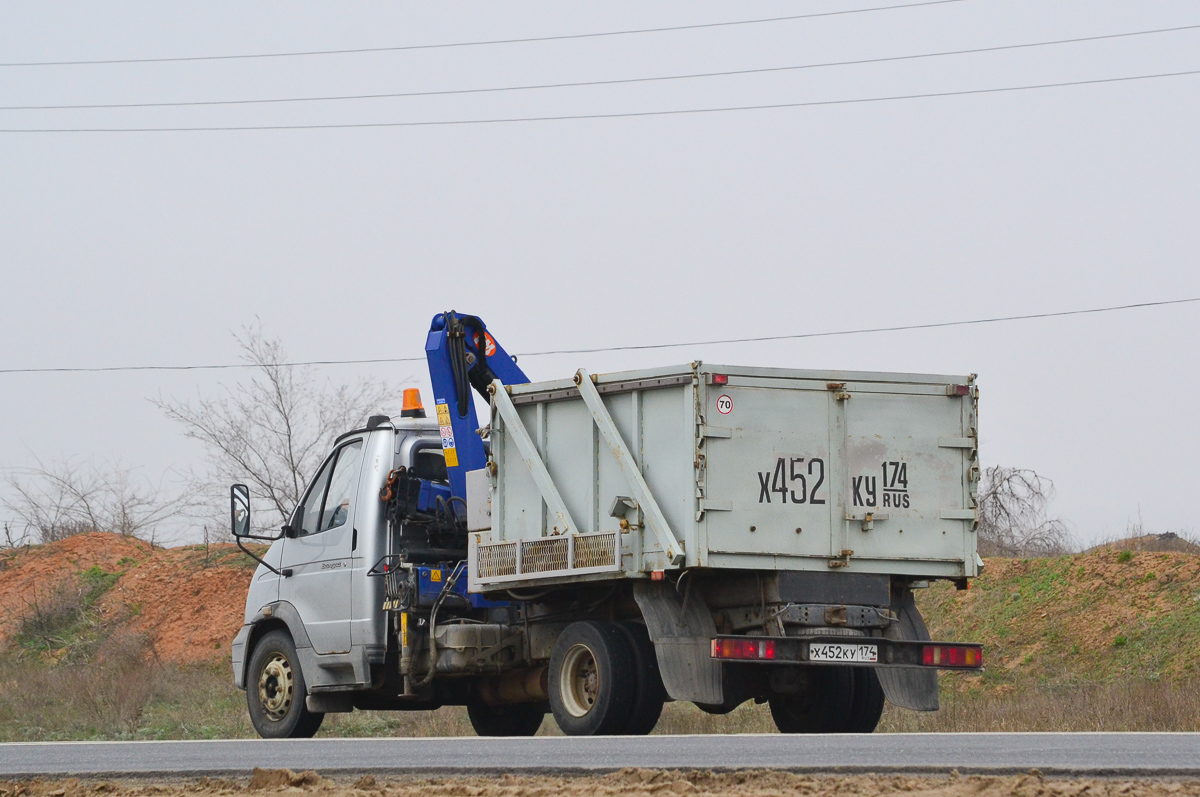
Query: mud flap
x=682, y=638
x=909, y=687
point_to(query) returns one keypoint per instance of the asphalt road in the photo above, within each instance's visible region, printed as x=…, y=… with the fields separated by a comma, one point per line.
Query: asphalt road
x=1083, y=754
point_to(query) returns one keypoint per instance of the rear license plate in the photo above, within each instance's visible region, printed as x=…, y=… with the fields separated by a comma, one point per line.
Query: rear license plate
x=828, y=651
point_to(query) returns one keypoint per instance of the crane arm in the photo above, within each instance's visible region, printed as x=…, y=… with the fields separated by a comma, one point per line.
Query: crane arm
x=462, y=354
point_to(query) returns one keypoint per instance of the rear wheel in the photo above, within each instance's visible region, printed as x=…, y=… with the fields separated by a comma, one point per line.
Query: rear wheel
x=592, y=682
x=649, y=692
x=514, y=719
x=867, y=706
x=275, y=691
x=822, y=705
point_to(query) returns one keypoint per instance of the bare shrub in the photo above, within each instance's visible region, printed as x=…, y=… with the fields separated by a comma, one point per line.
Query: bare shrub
x=14, y=538
x=59, y=621
x=66, y=498
x=51, y=618
x=271, y=430
x=1013, y=519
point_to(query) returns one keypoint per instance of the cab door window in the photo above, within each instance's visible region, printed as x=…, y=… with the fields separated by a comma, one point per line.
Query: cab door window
x=341, y=487
x=328, y=501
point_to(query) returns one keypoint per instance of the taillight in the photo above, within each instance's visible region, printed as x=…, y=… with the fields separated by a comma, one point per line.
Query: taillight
x=951, y=656
x=745, y=648
x=720, y=379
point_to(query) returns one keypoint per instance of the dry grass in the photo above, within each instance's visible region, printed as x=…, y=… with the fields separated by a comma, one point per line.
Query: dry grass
x=102, y=698
x=131, y=699
x=1129, y=706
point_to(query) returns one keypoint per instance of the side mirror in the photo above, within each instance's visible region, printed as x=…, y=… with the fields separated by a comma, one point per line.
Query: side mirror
x=239, y=517
x=239, y=507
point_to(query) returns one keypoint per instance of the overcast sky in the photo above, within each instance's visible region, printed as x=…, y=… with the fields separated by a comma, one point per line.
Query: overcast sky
x=149, y=248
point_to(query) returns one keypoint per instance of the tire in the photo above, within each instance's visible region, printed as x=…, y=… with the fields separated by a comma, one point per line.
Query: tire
x=592, y=682
x=822, y=706
x=649, y=694
x=867, y=706
x=275, y=691
x=513, y=719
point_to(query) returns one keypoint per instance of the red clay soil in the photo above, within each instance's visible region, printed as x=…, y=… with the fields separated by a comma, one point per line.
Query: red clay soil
x=187, y=602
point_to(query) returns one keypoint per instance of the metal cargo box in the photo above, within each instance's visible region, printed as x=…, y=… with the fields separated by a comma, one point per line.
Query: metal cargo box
x=622, y=475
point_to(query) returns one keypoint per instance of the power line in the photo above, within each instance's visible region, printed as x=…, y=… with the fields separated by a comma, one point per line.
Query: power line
x=643, y=347
x=584, y=83
x=445, y=45
x=622, y=115
x=873, y=330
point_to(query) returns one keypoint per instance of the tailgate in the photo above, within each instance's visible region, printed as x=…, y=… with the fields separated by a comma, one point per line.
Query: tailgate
x=812, y=469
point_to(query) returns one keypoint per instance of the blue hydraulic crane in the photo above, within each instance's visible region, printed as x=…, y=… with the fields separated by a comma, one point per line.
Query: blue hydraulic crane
x=462, y=354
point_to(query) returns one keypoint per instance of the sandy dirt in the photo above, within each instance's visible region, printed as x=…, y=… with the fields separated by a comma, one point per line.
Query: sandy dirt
x=186, y=602
x=626, y=783
x=188, y=613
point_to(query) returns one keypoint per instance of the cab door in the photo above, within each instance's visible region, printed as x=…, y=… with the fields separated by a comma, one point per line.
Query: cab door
x=319, y=555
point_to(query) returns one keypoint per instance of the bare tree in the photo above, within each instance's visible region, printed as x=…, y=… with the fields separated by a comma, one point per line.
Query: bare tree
x=1013, y=519
x=63, y=499
x=273, y=429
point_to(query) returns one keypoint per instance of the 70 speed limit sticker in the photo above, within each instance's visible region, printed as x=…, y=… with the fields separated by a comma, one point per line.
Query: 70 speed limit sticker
x=724, y=404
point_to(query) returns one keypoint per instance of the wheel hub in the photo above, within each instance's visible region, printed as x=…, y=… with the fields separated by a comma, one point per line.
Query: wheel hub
x=580, y=681
x=276, y=687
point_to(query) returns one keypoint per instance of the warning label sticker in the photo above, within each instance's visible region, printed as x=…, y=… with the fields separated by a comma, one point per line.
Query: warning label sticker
x=724, y=404
x=489, y=347
x=447, y=432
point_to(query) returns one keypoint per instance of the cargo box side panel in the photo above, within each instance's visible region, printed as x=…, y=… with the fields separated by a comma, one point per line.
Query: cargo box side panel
x=570, y=454
x=668, y=452
x=657, y=427
x=774, y=471
x=518, y=511
x=564, y=435
x=905, y=465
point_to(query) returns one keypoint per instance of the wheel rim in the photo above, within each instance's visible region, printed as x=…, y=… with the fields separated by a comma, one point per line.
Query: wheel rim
x=580, y=683
x=276, y=687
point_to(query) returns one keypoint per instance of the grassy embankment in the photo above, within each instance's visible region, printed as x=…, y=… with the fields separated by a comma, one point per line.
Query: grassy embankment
x=130, y=643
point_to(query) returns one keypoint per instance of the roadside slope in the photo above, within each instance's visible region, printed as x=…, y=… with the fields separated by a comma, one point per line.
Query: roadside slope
x=185, y=603
x=1100, y=616
x=1097, y=617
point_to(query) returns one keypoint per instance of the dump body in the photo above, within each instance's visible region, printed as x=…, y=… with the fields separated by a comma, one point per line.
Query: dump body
x=728, y=467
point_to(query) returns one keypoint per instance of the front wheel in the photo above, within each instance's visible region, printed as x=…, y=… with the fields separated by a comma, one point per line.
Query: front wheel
x=516, y=719
x=275, y=691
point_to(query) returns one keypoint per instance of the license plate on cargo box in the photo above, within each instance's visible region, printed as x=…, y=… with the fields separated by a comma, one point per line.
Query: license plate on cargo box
x=832, y=651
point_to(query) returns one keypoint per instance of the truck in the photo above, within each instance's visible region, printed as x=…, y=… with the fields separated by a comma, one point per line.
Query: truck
x=607, y=543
